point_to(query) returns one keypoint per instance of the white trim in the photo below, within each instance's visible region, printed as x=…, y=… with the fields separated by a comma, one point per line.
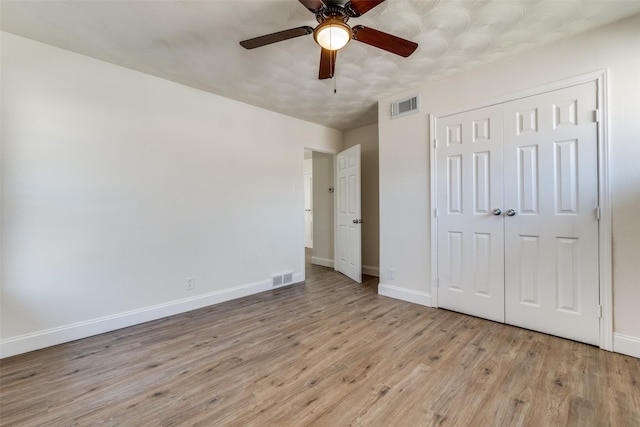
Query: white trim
x=549, y=87
x=626, y=344
x=371, y=270
x=54, y=336
x=324, y=262
x=298, y=278
x=605, y=224
x=404, y=294
x=335, y=208
x=432, y=208
x=605, y=252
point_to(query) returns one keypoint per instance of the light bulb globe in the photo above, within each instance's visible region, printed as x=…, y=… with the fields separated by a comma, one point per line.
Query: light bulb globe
x=333, y=34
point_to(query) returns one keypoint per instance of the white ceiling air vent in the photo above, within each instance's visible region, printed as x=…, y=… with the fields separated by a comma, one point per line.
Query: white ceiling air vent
x=405, y=106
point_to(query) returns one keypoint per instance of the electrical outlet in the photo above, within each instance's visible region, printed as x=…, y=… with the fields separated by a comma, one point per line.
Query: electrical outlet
x=189, y=283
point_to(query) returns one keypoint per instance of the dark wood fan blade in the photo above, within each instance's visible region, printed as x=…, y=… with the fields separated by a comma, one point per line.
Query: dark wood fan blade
x=327, y=63
x=312, y=5
x=384, y=41
x=360, y=7
x=276, y=37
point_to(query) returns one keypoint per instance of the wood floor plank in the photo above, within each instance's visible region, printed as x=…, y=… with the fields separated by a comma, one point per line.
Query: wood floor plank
x=329, y=352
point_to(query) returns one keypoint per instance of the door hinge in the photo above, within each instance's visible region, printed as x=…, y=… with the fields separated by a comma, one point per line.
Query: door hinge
x=435, y=212
x=598, y=213
x=599, y=312
x=436, y=281
x=596, y=116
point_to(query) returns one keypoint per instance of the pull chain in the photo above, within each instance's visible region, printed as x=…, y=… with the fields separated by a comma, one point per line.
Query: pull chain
x=333, y=71
x=333, y=62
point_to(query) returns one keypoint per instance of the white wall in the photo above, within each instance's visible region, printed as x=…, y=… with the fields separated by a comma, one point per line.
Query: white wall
x=367, y=137
x=404, y=159
x=323, y=209
x=116, y=186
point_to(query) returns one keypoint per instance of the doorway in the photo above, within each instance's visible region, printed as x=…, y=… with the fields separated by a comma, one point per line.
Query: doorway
x=319, y=198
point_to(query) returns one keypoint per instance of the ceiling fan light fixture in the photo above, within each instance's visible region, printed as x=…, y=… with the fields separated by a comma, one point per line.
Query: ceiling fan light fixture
x=332, y=34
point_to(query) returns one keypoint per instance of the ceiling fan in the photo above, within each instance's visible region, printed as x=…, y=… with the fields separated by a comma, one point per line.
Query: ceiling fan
x=333, y=32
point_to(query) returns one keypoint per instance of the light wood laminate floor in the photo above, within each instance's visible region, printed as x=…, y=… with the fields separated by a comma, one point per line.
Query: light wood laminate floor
x=329, y=352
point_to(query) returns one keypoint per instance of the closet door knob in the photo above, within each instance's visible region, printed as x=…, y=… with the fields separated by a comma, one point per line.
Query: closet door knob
x=510, y=212
x=496, y=212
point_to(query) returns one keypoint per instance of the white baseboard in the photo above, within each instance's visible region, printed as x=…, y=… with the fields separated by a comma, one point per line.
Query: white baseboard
x=298, y=278
x=623, y=344
x=54, y=336
x=405, y=294
x=325, y=262
x=626, y=344
x=371, y=270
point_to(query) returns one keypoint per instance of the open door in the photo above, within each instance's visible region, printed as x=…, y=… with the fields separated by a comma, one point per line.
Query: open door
x=348, y=224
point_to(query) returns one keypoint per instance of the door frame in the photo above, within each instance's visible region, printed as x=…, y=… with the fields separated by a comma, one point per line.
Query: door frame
x=308, y=192
x=605, y=263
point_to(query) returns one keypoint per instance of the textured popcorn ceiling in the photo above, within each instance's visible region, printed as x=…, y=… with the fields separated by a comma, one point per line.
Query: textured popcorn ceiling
x=196, y=43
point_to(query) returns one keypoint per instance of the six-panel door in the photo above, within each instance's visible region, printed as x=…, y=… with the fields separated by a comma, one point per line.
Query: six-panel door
x=349, y=244
x=551, y=244
x=470, y=236
x=535, y=263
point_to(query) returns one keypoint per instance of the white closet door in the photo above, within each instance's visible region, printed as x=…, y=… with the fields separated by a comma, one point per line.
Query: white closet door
x=551, y=243
x=470, y=235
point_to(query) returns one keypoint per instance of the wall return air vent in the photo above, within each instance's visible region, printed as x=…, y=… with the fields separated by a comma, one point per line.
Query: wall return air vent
x=406, y=106
x=282, y=279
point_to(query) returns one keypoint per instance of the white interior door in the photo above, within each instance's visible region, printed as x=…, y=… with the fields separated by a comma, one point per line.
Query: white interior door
x=349, y=231
x=308, y=210
x=551, y=258
x=533, y=263
x=470, y=235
